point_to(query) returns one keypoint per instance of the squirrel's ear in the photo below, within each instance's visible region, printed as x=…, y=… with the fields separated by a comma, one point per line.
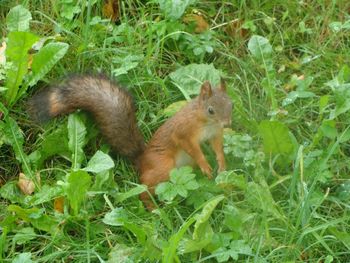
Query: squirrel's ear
x=222, y=85
x=206, y=91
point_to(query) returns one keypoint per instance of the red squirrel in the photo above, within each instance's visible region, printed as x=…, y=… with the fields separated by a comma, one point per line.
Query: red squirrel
x=176, y=143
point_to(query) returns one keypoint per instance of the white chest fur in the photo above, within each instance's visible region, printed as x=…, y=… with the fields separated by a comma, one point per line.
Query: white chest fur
x=209, y=131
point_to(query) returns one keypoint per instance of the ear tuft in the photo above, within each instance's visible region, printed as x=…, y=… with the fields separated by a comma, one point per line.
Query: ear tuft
x=206, y=91
x=222, y=85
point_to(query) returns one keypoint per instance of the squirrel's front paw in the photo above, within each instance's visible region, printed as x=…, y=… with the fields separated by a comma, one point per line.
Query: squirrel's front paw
x=222, y=167
x=207, y=170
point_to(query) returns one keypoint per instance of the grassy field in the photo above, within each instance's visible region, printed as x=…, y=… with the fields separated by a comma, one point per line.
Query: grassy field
x=285, y=196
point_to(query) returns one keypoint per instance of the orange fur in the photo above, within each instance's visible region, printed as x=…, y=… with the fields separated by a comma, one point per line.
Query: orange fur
x=180, y=137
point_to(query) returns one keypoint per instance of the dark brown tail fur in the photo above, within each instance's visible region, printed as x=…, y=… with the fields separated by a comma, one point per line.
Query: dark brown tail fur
x=111, y=106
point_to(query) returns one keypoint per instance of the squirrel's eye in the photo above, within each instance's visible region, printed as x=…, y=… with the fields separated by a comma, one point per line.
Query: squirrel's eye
x=211, y=110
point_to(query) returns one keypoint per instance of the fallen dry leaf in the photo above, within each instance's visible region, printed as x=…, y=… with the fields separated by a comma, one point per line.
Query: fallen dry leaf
x=111, y=9
x=235, y=29
x=59, y=204
x=199, y=21
x=26, y=185
x=301, y=77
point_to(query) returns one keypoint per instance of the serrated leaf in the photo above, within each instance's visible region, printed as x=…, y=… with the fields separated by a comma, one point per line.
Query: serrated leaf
x=78, y=183
x=100, y=162
x=166, y=191
x=45, y=59
x=18, y=19
x=174, y=9
x=276, y=137
x=189, y=78
x=76, y=142
x=203, y=217
x=17, y=52
x=14, y=137
x=259, y=47
x=191, y=185
x=236, y=247
x=181, y=175
x=181, y=180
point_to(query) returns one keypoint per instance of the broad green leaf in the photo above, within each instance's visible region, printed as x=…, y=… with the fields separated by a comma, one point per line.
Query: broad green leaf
x=169, y=251
x=120, y=197
x=14, y=137
x=342, y=236
x=260, y=197
x=36, y=217
x=234, y=218
x=121, y=217
x=76, y=135
x=121, y=253
x=45, y=59
x=276, y=137
x=23, y=258
x=24, y=235
x=343, y=193
x=47, y=193
x=191, y=245
x=329, y=129
x=17, y=52
x=227, y=179
x=18, y=19
x=11, y=192
x=117, y=217
x=78, y=183
x=174, y=9
x=22, y=213
x=203, y=217
x=189, y=78
x=55, y=142
x=292, y=96
x=100, y=162
x=260, y=47
x=69, y=9
x=103, y=181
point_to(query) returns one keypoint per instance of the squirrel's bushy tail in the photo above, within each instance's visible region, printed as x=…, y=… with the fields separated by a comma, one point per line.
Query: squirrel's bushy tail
x=111, y=106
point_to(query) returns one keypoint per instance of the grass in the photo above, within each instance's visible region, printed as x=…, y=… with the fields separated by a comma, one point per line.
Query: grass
x=285, y=196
